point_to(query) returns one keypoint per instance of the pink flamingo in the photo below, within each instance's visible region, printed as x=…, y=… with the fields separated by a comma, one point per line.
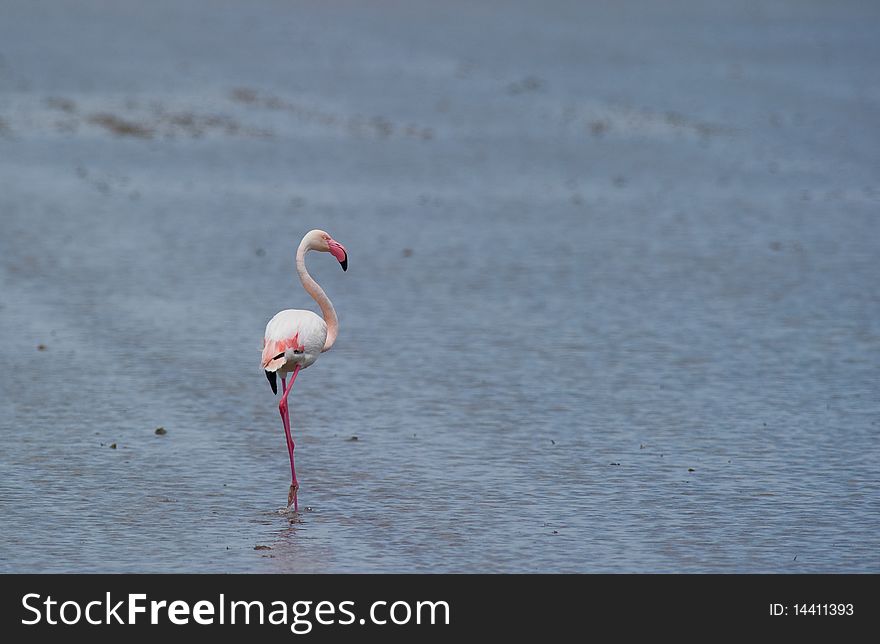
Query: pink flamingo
x=294, y=338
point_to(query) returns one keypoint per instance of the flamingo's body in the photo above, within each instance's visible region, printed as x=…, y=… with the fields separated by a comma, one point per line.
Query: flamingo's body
x=294, y=338
x=291, y=332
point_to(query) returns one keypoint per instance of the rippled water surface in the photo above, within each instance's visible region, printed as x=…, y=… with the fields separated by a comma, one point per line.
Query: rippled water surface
x=612, y=302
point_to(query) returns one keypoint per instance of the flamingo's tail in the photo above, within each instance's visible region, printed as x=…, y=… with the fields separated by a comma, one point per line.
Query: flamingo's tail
x=273, y=381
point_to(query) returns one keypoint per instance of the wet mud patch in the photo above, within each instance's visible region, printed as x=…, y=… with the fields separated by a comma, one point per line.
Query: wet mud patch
x=121, y=127
x=195, y=125
x=125, y=118
x=378, y=127
x=170, y=125
x=602, y=120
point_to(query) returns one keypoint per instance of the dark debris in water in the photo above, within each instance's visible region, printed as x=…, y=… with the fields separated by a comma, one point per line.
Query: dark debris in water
x=618, y=464
x=161, y=431
x=690, y=469
x=244, y=95
x=41, y=347
x=112, y=445
x=60, y=103
x=260, y=547
x=527, y=84
x=352, y=439
x=598, y=128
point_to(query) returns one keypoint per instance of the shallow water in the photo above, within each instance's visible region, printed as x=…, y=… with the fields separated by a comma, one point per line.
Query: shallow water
x=611, y=305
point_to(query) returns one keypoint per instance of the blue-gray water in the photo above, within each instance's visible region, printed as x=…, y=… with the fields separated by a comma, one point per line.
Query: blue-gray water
x=612, y=302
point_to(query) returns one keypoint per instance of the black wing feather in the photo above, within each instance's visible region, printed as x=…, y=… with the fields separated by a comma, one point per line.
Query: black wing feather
x=273, y=381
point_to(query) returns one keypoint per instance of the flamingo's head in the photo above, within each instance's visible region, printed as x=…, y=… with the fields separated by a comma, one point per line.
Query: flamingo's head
x=321, y=241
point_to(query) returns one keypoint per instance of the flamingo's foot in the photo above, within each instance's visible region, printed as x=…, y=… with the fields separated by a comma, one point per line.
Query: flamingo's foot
x=291, y=497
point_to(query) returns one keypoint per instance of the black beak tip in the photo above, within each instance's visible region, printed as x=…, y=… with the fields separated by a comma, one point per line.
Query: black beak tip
x=344, y=263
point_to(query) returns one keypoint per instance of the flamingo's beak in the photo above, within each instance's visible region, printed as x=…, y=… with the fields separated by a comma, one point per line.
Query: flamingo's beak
x=338, y=251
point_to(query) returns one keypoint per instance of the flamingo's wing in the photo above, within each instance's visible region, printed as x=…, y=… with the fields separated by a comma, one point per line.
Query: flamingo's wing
x=273, y=351
x=302, y=331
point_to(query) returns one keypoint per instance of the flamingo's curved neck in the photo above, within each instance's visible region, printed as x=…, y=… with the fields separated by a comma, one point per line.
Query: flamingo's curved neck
x=315, y=290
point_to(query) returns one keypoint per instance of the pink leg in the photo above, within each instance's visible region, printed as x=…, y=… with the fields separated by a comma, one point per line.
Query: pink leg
x=285, y=418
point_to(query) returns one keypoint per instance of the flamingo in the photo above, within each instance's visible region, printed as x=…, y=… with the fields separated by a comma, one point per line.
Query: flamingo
x=295, y=338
